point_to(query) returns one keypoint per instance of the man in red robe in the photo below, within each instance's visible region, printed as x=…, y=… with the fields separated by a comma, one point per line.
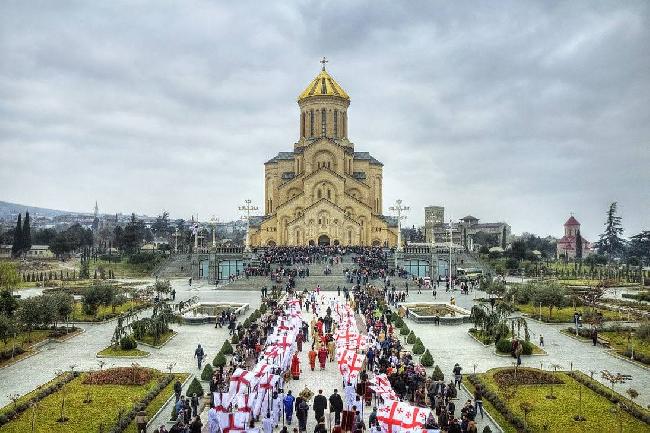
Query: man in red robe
x=322, y=357
x=312, y=358
x=295, y=367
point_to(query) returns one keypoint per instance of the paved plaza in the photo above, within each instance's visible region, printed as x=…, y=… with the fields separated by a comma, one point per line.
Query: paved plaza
x=449, y=344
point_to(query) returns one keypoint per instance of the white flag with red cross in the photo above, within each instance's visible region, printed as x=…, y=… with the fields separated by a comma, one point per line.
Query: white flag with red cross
x=245, y=403
x=229, y=423
x=242, y=381
x=414, y=418
x=389, y=417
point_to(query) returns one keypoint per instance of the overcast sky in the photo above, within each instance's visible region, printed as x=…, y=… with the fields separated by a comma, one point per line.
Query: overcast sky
x=510, y=111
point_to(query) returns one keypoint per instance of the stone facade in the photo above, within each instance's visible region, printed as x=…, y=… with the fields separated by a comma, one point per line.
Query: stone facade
x=323, y=192
x=567, y=244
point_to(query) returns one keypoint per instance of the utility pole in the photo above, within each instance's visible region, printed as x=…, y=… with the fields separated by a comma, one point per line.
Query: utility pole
x=248, y=208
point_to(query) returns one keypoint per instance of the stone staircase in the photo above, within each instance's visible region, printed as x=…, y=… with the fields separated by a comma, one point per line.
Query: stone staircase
x=176, y=266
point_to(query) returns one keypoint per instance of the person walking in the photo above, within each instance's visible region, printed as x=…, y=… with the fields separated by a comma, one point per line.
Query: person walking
x=336, y=406
x=312, y=358
x=199, y=354
x=288, y=407
x=458, y=377
x=302, y=412
x=320, y=404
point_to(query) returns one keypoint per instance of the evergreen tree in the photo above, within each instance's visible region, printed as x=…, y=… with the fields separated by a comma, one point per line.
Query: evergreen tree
x=17, y=246
x=578, y=245
x=610, y=243
x=27, y=233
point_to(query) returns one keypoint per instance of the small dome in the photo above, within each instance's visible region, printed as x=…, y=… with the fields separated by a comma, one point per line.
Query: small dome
x=323, y=85
x=571, y=222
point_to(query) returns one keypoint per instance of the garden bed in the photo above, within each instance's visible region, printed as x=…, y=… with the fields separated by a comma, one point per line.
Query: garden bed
x=505, y=396
x=564, y=314
x=89, y=406
x=25, y=343
x=117, y=352
x=105, y=313
x=150, y=341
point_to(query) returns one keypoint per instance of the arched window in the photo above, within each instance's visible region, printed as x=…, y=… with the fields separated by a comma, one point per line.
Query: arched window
x=320, y=194
x=344, y=126
x=336, y=123
x=323, y=122
x=329, y=194
x=302, y=125
x=311, y=123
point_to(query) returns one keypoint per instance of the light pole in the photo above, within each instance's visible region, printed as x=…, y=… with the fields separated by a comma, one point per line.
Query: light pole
x=248, y=208
x=451, y=243
x=176, y=240
x=214, y=221
x=398, y=208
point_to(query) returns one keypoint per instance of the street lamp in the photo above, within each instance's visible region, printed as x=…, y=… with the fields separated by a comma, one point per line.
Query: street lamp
x=398, y=209
x=214, y=221
x=248, y=208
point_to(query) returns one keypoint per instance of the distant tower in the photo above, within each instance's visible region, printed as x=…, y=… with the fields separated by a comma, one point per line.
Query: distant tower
x=96, y=210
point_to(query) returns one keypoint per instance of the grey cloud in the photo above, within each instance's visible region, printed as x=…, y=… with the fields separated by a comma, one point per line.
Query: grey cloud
x=521, y=112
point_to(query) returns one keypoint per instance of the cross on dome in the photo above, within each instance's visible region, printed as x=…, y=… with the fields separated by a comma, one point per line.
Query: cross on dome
x=323, y=61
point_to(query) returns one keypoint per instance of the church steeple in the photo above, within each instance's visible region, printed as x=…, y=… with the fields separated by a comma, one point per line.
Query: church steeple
x=323, y=108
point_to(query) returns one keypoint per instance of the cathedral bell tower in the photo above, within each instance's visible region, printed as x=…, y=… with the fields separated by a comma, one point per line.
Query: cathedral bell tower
x=323, y=109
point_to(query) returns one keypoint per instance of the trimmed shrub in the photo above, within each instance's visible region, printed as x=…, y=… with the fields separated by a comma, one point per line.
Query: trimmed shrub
x=207, y=372
x=128, y=343
x=504, y=346
x=418, y=347
x=226, y=349
x=247, y=323
x=234, y=339
x=426, y=359
x=404, y=330
x=437, y=373
x=411, y=339
x=487, y=429
x=195, y=388
x=219, y=360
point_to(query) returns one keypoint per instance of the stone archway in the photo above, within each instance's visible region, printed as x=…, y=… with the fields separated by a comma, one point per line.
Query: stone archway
x=323, y=240
x=311, y=243
x=336, y=242
x=376, y=243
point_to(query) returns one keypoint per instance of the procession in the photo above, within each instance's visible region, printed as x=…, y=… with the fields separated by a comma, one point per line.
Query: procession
x=379, y=386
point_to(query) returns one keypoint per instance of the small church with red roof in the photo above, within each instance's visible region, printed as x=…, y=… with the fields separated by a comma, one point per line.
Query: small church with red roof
x=566, y=246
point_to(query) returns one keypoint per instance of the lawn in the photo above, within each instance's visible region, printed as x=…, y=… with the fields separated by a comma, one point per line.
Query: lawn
x=557, y=415
x=24, y=341
x=618, y=342
x=117, y=352
x=106, y=402
x=123, y=268
x=148, y=339
x=103, y=312
x=564, y=314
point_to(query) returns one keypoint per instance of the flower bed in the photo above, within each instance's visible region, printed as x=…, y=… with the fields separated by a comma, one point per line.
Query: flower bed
x=524, y=376
x=89, y=407
x=117, y=352
x=553, y=415
x=563, y=315
x=119, y=376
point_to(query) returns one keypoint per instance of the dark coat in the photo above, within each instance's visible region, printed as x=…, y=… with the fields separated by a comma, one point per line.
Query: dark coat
x=320, y=403
x=336, y=403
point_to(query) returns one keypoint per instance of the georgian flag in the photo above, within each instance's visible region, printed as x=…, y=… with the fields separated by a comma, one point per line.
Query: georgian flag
x=413, y=419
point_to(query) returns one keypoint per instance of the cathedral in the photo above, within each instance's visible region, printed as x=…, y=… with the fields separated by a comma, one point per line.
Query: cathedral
x=323, y=192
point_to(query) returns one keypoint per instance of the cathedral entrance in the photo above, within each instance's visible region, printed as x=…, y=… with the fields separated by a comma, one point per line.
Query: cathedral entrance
x=323, y=240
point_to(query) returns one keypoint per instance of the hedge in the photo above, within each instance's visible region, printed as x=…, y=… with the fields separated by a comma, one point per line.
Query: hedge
x=418, y=347
x=411, y=339
x=226, y=349
x=195, y=388
x=437, y=374
x=219, y=360
x=207, y=372
x=426, y=360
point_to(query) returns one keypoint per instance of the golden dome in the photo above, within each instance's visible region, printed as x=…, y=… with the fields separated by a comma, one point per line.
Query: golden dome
x=323, y=85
